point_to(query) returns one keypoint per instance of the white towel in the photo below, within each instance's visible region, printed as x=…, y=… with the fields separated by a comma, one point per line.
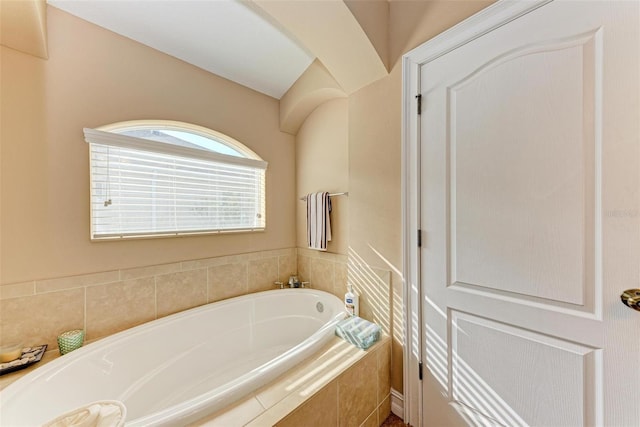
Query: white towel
x=318, y=220
x=105, y=413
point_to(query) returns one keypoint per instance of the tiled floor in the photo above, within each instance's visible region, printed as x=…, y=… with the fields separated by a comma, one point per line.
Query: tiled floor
x=393, y=421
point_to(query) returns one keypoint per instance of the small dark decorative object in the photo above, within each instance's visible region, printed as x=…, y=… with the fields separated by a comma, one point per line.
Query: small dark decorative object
x=30, y=355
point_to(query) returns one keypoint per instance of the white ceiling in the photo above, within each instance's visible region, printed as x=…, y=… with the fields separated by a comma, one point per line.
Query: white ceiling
x=225, y=37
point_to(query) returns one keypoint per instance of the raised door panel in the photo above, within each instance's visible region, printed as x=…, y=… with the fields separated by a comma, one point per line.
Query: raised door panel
x=521, y=378
x=522, y=174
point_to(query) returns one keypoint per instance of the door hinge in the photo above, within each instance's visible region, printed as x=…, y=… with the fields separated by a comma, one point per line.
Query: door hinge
x=420, y=371
x=419, y=238
x=419, y=98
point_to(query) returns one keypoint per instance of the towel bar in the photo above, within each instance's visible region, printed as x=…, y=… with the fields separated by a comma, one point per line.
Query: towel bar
x=346, y=193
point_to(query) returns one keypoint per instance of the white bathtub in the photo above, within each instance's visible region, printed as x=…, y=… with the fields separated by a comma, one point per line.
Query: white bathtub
x=180, y=368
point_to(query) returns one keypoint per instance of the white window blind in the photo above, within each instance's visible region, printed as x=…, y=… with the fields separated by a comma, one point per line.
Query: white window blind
x=146, y=188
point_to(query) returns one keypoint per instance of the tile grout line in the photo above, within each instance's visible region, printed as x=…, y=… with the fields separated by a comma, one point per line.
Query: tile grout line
x=259, y=254
x=84, y=323
x=84, y=286
x=155, y=297
x=246, y=277
x=337, y=397
x=264, y=409
x=207, y=284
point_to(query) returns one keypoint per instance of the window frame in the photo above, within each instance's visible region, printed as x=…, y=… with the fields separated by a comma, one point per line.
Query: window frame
x=108, y=135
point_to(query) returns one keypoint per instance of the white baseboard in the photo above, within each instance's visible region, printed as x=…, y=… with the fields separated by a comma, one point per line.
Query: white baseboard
x=397, y=403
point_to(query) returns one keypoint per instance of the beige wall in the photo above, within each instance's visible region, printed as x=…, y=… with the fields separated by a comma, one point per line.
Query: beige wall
x=374, y=168
x=373, y=17
x=322, y=164
x=375, y=223
x=314, y=87
x=23, y=26
x=94, y=77
x=331, y=32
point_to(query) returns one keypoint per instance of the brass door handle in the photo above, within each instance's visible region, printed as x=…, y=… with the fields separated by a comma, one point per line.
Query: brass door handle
x=631, y=298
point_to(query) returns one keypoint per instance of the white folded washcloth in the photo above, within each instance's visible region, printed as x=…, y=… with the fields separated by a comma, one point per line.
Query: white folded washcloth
x=318, y=220
x=104, y=413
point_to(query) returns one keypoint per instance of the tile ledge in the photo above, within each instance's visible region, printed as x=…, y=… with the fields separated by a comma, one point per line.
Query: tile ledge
x=290, y=402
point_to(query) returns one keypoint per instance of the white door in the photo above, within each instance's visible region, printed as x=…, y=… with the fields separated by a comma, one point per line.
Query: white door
x=530, y=211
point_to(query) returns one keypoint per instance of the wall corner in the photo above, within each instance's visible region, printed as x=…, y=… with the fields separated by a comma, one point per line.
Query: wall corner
x=23, y=26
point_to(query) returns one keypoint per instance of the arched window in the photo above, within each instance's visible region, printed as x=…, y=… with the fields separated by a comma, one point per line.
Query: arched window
x=162, y=178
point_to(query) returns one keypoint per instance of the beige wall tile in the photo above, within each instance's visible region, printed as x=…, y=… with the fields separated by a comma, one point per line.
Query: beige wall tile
x=304, y=268
x=210, y=262
x=339, y=258
x=268, y=254
x=319, y=411
x=340, y=285
x=383, y=275
x=238, y=414
x=289, y=251
x=39, y=319
x=329, y=256
x=234, y=259
x=180, y=291
x=71, y=282
x=384, y=410
x=227, y=281
x=152, y=270
x=384, y=370
x=16, y=290
x=374, y=287
x=372, y=420
x=367, y=310
x=287, y=266
x=322, y=274
x=117, y=306
x=262, y=274
x=199, y=263
x=304, y=251
x=311, y=375
x=357, y=392
x=397, y=354
x=280, y=252
x=257, y=255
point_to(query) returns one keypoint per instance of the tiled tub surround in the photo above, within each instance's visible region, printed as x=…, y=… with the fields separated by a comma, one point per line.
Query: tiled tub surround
x=108, y=302
x=180, y=368
x=331, y=272
x=324, y=270
x=339, y=386
x=104, y=303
